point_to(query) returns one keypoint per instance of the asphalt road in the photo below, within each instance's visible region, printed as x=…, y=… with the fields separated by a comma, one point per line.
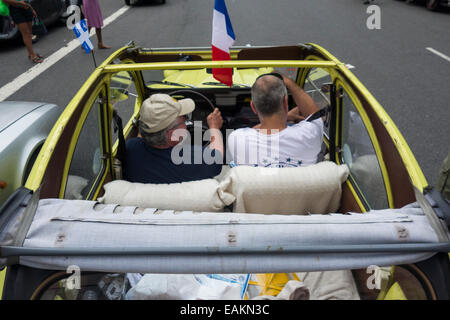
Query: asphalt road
x=410, y=82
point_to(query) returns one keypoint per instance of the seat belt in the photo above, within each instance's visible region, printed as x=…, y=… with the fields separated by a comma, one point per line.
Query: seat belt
x=119, y=160
x=318, y=114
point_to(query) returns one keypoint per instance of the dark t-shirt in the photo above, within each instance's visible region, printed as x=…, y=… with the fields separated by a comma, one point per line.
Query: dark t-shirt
x=145, y=164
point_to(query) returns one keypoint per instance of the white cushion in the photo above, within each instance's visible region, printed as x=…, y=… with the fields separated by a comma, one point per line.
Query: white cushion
x=74, y=187
x=311, y=189
x=367, y=173
x=202, y=195
x=330, y=285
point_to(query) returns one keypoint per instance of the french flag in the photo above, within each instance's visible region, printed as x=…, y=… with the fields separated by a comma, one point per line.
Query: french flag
x=222, y=39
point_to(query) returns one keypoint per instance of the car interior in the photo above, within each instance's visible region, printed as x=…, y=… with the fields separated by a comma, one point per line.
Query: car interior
x=365, y=180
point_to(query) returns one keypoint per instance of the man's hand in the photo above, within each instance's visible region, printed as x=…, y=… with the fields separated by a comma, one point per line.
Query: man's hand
x=306, y=106
x=215, y=123
x=28, y=6
x=294, y=116
x=215, y=120
x=18, y=4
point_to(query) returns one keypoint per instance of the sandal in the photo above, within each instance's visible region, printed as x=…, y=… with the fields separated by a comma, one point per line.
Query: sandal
x=37, y=59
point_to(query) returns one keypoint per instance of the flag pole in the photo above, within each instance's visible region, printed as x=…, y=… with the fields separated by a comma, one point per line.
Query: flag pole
x=93, y=57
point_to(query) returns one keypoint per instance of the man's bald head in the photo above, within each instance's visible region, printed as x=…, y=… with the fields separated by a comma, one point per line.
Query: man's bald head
x=268, y=94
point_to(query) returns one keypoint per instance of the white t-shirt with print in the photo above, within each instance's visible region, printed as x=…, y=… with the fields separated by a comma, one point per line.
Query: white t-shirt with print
x=294, y=146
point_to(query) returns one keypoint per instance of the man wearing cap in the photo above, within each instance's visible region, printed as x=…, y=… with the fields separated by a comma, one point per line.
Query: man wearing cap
x=150, y=156
x=274, y=143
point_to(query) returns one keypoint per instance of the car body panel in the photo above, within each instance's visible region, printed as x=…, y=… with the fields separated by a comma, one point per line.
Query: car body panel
x=432, y=4
x=68, y=3
x=49, y=11
x=13, y=111
x=25, y=126
x=203, y=78
x=2, y=282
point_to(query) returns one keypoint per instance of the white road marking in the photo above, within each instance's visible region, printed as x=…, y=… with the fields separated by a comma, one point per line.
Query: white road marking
x=443, y=56
x=13, y=86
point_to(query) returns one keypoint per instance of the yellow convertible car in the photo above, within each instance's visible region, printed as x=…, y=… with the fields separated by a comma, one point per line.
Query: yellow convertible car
x=365, y=209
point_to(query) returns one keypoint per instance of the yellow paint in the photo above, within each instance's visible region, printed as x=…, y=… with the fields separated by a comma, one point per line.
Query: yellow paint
x=41, y=164
x=373, y=137
x=409, y=161
x=355, y=196
x=217, y=64
x=79, y=126
x=271, y=284
x=2, y=281
x=395, y=293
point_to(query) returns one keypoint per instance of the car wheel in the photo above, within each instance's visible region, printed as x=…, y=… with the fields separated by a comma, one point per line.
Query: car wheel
x=432, y=4
x=434, y=276
x=128, y=2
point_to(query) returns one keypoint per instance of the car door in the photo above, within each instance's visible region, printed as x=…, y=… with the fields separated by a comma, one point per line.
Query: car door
x=349, y=136
x=125, y=93
x=125, y=99
x=88, y=157
x=317, y=83
x=358, y=148
x=48, y=11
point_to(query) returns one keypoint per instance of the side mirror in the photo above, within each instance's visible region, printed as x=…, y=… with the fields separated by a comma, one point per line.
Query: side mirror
x=325, y=88
x=118, y=94
x=120, y=82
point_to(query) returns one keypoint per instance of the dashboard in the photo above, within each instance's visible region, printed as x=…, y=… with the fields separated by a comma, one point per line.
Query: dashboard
x=234, y=107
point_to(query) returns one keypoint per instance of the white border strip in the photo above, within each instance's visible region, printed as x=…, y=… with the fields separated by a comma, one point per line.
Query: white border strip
x=29, y=75
x=443, y=56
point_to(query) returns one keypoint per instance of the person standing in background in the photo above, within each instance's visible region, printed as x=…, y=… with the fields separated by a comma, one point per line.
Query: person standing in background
x=22, y=14
x=93, y=14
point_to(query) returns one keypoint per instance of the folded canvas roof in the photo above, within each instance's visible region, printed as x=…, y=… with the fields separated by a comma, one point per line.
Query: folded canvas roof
x=113, y=238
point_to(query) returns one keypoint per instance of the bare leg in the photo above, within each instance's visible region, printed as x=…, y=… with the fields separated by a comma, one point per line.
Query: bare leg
x=25, y=30
x=100, y=40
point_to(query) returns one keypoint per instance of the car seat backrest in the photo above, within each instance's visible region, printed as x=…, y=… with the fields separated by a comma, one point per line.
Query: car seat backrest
x=271, y=53
x=201, y=195
x=312, y=189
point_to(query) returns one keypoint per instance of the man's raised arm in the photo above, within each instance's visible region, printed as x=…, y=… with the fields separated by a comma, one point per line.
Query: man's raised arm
x=305, y=104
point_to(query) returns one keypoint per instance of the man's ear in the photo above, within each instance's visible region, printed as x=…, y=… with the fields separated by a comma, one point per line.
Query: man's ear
x=253, y=107
x=173, y=137
x=285, y=104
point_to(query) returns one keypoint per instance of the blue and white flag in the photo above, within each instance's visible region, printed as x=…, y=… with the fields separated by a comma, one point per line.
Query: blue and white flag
x=82, y=32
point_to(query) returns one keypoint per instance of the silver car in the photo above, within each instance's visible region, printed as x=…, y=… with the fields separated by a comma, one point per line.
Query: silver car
x=24, y=126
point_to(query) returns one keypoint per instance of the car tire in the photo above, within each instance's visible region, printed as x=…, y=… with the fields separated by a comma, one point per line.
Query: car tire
x=128, y=2
x=433, y=273
x=432, y=5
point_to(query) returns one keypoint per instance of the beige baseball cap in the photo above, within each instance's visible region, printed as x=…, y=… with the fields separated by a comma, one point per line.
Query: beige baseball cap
x=161, y=110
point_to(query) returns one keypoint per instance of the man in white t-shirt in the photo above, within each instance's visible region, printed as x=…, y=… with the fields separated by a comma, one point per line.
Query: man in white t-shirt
x=274, y=143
